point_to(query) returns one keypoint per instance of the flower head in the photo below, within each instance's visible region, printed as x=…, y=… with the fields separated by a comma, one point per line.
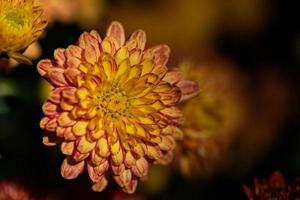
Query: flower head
x=113, y=106
x=20, y=25
x=212, y=119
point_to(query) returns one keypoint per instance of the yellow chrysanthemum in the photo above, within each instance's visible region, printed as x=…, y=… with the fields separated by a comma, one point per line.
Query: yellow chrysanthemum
x=212, y=119
x=20, y=25
x=113, y=106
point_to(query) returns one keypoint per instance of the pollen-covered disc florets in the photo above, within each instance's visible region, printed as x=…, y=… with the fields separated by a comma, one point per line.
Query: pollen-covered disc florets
x=113, y=106
x=20, y=25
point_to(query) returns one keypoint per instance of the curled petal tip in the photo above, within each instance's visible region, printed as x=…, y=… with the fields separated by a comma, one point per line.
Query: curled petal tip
x=96, y=35
x=140, y=37
x=51, y=139
x=188, y=89
x=100, y=185
x=161, y=54
x=116, y=30
x=44, y=66
x=131, y=187
x=71, y=169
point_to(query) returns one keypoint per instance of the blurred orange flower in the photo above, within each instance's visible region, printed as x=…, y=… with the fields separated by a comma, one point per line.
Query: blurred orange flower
x=211, y=119
x=85, y=12
x=234, y=120
x=113, y=106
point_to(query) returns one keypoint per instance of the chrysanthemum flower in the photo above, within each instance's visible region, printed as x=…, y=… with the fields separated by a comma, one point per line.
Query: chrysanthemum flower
x=20, y=25
x=113, y=106
x=226, y=125
x=212, y=119
x=276, y=187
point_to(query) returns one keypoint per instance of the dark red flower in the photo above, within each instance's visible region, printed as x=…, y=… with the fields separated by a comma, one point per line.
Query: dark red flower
x=274, y=188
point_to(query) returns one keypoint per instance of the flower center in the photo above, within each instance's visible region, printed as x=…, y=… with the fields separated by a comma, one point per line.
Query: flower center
x=14, y=20
x=113, y=102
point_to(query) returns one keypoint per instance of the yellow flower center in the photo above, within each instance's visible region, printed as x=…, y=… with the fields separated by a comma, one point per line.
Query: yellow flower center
x=14, y=20
x=113, y=102
x=20, y=24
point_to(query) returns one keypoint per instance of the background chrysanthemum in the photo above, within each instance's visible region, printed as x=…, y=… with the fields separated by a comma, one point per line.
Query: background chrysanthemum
x=213, y=118
x=275, y=187
x=225, y=125
x=20, y=25
x=113, y=106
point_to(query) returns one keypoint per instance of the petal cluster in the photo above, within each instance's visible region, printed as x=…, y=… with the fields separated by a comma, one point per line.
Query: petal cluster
x=113, y=106
x=20, y=25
